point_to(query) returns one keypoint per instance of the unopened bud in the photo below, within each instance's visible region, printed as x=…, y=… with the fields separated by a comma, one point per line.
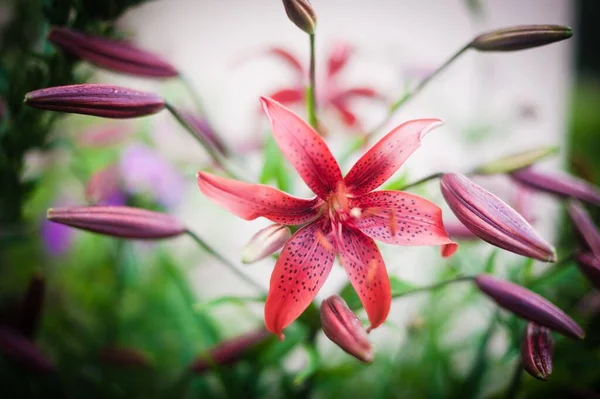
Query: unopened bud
x=118, y=221
x=21, y=350
x=559, y=184
x=126, y=357
x=101, y=100
x=266, y=242
x=521, y=37
x=492, y=220
x=585, y=225
x=204, y=131
x=537, y=350
x=342, y=326
x=301, y=13
x=589, y=264
x=515, y=162
x=528, y=305
x=118, y=56
x=230, y=351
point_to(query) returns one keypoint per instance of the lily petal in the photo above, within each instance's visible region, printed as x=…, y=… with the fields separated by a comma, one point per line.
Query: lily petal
x=400, y=218
x=347, y=116
x=367, y=273
x=386, y=157
x=338, y=58
x=358, y=92
x=289, y=59
x=300, y=271
x=250, y=201
x=304, y=148
x=288, y=96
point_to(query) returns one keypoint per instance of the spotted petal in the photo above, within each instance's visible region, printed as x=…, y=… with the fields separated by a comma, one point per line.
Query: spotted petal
x=385, y=157
x=400, y=218
x=304, y=148
x=300, y=271
x=250, y=201
x=367, y=273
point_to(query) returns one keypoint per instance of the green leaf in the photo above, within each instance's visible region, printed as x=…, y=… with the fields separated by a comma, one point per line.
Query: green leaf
x=490, y=263
x=274, y=169
x=399, y=288
x=311, y=366
x=226, y=300
x=274, y=353
x=397, y=183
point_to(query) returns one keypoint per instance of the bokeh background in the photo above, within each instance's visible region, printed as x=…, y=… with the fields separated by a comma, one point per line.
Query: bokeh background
x=165, y=304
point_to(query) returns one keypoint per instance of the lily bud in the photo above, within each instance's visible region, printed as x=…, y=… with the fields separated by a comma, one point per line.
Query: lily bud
x=559, y=184
x=126, y=357
x=96, y=99
x=515, y=162
x=342, y=326
x=537, y=350
x=118, y=221
x=528, y=305
x=585, y=225
x=301, y=13
x=266, y=242
x=30, y=313
x=458, y=231
x=118, y=56
x=19, y=349
x=230, y=351
x=521, y=37
x=492, y=220
x=204, y=131
x=589, y=264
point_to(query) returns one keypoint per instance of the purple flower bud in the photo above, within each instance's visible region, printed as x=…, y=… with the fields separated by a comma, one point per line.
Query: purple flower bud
x=30, y=313
x=585, y=225
x=19, y=349
x=204, y=131
x=521, y=37
x=528, y=305
x=515, y=162
x=118, y=221
x=111, y=54
x=492, y=219
x=559, y=184
x=301, y=13
x=266, y=242
x=589, y=264
x=537, y=350
x=230, y=351
x=342, y=326
x=96, y=99
x=458, y=231
x=126, y=357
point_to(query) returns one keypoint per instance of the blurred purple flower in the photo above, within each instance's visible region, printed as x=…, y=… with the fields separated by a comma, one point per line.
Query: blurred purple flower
x=144, y=171
x=56, y=238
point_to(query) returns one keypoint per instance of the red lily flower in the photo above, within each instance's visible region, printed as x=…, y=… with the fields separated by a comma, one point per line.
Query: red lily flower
x=330, y=95
x=342, y=219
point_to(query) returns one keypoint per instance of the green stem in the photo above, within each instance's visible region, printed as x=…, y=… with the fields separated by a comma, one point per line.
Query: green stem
x=420, y=181
x=311, y=98
x=217, y=158
x=193, y=94
x=416, y=90
x=435, y=286
x=557, y=268
x=515, y=382
x=227, y=263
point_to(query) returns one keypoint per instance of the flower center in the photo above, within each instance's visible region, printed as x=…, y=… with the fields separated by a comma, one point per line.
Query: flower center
x=338, y=206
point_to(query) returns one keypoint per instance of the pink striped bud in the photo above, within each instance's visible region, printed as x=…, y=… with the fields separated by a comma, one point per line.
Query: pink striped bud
x=342, y=326
x=585, y=225
x=537, y=350
x=125, y=357
x=32, y=304
x=301, y=13
x=492, y=220
x=266, y=242
x=559, y=184
x=204, y=131
x=19, y=349
x=589, y=265
x=118, y=56
x=521, y=37
x=528, y=305
x=230, y=351
x=118, y=221
x=97, y=100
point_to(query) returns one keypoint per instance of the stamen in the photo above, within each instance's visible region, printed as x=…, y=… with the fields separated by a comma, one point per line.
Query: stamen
x=355, y=213
x=393, y=223
x=322, y=239
x=371, y=270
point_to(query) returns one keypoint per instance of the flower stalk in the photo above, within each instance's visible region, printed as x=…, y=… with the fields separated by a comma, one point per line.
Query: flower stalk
x=312, y=96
